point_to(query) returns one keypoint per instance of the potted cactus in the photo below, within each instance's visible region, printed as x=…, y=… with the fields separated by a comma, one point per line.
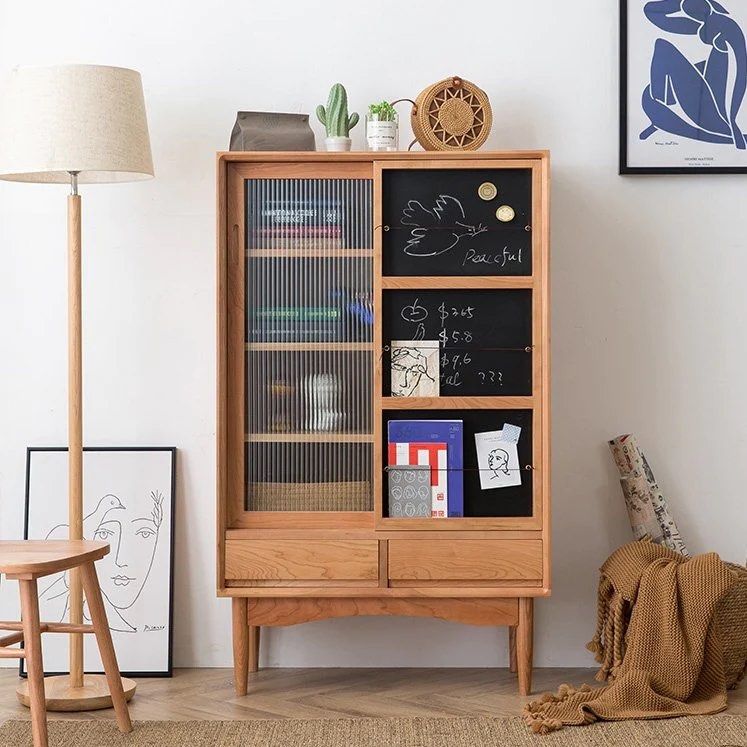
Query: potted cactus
x=336, y=120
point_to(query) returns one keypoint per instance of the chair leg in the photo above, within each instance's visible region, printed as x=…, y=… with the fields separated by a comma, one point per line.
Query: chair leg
x=34, y=662
x=106, y=647
x=240, y=645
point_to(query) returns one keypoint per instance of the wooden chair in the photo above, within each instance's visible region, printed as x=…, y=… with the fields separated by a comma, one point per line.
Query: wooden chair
x=28, y=561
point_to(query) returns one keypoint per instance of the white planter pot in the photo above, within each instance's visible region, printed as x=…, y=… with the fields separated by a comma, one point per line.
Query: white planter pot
x=381, y=135
x=337, y=143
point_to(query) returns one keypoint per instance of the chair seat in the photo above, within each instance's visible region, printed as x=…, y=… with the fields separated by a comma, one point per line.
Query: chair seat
x=36, y=558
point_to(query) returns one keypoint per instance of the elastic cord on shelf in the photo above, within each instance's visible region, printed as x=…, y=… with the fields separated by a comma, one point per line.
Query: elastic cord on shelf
x=503, y=227
x=403, y=467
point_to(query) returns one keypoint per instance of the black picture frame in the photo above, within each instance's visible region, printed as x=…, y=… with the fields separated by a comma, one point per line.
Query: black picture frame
x=624, y=169
x=169, y=671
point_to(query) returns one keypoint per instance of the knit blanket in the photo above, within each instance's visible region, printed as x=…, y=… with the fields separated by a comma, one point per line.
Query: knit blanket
x=659, y=652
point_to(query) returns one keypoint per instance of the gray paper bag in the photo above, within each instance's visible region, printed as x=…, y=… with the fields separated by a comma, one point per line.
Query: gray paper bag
x=272, y=131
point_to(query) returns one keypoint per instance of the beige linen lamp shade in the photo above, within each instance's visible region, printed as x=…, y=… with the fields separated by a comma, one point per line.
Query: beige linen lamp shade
x=88, y=119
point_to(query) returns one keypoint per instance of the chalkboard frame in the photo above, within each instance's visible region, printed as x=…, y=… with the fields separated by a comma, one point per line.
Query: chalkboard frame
x=517, y=502
x=497, y=345
x=416, y=203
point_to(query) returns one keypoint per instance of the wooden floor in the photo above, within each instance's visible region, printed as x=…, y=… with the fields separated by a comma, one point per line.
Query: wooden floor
x=331, y=693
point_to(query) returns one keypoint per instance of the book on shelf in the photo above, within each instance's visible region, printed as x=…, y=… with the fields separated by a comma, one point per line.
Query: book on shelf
x=297, y=313
x=301, y=244
x=410, y=492
x=312, y=211
x=449, y=432
x=429, y=454
x=312, y=334
x=299, y=231
x=295, y=324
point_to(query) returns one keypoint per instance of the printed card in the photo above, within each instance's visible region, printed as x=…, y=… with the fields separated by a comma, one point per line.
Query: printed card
x=497, y=460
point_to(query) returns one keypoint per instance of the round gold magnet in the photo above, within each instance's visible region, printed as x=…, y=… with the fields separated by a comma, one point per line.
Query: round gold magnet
x=487, y=191
x=505, y=213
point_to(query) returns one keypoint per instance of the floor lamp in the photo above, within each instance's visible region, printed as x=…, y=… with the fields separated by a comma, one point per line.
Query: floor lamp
x=74, y=124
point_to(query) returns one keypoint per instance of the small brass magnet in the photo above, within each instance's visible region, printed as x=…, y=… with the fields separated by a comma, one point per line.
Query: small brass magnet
x=505, y=213
x=487, y=191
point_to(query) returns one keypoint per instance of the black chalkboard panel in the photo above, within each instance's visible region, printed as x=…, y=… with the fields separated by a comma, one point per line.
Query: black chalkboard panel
x=482, y=336
x=436, y=223
x=512, y=501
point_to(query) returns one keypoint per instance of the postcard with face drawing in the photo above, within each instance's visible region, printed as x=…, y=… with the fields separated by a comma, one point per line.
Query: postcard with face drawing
x=415, y=368
x=497, y=460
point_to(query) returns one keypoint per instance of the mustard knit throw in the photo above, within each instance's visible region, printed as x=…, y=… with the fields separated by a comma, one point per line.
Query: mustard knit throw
x=654, y=640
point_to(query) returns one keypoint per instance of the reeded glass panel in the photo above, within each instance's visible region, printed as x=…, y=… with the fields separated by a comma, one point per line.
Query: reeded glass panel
x=309, y=345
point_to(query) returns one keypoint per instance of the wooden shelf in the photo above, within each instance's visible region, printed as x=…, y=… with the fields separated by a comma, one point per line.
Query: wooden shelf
x=487, y=523
x=315, y=437
x=448, y=282
x=279, y=346
x=284, y=567
x=301, y=253
x=457, y=403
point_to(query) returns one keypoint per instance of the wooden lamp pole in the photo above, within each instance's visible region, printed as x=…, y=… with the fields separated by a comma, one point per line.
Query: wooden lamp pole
x=61, y=125
x=75, y=417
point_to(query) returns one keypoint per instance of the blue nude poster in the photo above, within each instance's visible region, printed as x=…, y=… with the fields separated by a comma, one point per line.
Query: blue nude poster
x=683, y=81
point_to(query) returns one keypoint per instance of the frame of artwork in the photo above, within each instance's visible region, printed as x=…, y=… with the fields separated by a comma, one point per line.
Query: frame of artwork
x=129, y=501
x=682, y=68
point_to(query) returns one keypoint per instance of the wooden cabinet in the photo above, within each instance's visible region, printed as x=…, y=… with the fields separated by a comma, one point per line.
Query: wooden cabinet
x=357, y=292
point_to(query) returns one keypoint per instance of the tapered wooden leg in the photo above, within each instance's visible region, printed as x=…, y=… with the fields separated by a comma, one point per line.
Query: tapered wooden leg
x=240, y=645
x=524, y=638
x=34, y=663
x=512, y=648
x=254, y=647
x=90, y=582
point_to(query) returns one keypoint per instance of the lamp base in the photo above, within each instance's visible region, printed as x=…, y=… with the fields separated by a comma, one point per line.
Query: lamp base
x=61, y=696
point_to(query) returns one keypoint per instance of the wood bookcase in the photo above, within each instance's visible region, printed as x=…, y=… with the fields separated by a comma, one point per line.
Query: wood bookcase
x=318, y=264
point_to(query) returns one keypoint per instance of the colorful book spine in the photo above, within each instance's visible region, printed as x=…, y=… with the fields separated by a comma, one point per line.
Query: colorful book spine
x=281, y=213
x=426, y=454
x=449, y=432
x=298, y=313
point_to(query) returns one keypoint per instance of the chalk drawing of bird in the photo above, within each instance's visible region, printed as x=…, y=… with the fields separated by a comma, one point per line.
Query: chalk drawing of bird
x=438, y=229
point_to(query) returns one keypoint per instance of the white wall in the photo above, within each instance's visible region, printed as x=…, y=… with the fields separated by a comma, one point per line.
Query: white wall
x=648, y=292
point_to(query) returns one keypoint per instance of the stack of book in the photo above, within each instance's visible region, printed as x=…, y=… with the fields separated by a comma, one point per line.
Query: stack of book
x=295, y=324
x=437, y=445
x=311, y=225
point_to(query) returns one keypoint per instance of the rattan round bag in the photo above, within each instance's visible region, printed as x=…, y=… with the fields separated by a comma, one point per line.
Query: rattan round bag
x=731, y=615
x=452, y=114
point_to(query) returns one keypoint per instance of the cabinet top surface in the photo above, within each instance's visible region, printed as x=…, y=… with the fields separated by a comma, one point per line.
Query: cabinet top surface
x=269, y=155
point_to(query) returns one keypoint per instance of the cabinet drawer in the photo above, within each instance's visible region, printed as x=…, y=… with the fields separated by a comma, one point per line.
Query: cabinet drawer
x=465, y=560
x=302, y=560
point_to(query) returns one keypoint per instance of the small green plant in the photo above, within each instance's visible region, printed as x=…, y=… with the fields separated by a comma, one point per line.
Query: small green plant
x=383, y=111
x=335, y=117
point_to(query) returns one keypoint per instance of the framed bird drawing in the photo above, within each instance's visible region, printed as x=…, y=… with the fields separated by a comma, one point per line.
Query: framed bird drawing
x=128, y=501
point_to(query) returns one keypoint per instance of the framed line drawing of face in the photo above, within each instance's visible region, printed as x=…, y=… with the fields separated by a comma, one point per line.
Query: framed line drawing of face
x=683, y=80
x=128, y=502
